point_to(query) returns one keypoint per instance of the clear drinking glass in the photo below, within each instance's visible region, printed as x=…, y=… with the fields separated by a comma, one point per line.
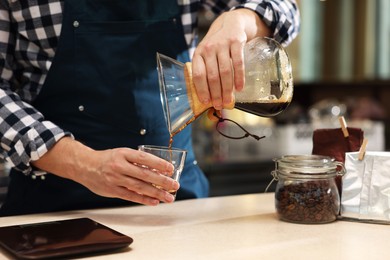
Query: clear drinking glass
x=175, y=156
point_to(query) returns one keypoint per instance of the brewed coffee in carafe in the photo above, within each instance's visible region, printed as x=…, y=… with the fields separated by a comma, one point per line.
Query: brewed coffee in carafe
x=268, y=86
x=267, y=92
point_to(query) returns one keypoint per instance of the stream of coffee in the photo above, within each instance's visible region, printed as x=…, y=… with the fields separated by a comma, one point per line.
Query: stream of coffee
x=171, y=135
x=178, y=131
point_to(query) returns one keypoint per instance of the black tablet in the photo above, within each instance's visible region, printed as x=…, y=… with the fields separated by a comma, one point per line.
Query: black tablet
x=62, y=238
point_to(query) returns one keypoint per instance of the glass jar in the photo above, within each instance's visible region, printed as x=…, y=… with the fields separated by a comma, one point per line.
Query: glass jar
x=306, y=190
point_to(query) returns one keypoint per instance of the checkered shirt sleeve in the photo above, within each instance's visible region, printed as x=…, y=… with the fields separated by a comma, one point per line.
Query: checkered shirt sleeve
x=24, y=134
x=282, y=16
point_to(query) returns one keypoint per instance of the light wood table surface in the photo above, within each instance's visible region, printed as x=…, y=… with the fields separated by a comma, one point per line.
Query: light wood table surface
x=228, y=227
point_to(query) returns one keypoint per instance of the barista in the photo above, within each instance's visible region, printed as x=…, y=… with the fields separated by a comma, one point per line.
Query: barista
x=82, y=120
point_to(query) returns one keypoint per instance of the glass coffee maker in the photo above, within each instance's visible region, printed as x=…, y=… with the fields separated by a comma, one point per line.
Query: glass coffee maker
x=267, y=92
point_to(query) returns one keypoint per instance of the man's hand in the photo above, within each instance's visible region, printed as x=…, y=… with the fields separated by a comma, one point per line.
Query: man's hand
x=111, y=173
x=218, y=62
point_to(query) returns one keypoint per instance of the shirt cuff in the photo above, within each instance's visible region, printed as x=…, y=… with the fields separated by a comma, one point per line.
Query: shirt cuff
x=282, y=17
x=33, y=144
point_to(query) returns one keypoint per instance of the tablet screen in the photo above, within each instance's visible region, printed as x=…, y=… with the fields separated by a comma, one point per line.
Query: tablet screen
x=60, y=238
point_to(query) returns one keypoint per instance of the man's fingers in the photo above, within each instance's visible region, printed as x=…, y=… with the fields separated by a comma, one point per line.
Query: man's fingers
x=200, y=80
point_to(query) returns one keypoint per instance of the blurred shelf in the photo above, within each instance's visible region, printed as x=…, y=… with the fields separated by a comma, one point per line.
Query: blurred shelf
x=239, y=178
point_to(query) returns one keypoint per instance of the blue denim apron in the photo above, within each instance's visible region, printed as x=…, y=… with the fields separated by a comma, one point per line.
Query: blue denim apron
x=103, y=87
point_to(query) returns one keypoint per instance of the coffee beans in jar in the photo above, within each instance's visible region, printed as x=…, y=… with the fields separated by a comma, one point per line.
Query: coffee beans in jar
x=306, y=190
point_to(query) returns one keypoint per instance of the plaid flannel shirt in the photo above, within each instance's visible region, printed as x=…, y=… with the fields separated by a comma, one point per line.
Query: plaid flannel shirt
x=29, y=32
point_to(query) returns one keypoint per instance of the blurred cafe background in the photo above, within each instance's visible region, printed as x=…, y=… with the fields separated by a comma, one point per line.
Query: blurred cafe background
x=341, y=67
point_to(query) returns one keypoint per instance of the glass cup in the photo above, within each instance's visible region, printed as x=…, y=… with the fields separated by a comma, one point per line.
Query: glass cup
x=175, y=156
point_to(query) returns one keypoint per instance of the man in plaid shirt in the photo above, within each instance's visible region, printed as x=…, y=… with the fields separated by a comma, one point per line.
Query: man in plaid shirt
x=77, y=75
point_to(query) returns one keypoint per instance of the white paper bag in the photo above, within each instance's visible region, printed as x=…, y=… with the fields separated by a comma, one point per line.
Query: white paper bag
x=366, y=187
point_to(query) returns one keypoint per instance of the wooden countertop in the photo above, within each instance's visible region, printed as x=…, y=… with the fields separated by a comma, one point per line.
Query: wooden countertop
x=229, y=227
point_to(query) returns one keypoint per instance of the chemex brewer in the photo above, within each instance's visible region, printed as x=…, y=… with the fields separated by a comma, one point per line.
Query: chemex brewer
x=267, y=92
